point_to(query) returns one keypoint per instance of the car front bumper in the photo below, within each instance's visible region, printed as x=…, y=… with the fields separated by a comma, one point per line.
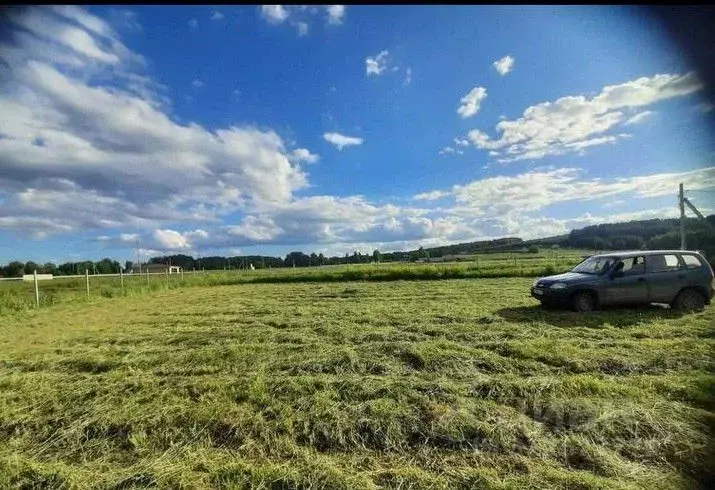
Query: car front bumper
x=550, y=295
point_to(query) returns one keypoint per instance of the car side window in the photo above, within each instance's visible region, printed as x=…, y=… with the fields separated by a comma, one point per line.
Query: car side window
x=633, y=266
x=691, y=262
x=663, y=263
x=605, y=266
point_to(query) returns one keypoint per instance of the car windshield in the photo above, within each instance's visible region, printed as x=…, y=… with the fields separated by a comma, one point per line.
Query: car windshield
x=595, y=265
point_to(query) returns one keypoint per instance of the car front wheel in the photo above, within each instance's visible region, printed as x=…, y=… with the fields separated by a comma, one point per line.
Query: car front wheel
x=549, y=305
x=583, y=302
x=688, y=301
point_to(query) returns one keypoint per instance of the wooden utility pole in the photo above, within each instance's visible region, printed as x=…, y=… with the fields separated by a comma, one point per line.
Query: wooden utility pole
x=139, y=260
x=681, y=200
x=37, y=290
x=86, y=279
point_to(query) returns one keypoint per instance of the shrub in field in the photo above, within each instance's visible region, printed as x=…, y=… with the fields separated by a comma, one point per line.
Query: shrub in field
x=14, y=302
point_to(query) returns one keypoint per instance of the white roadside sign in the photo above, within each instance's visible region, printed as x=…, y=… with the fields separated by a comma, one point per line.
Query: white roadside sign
x=40, y=277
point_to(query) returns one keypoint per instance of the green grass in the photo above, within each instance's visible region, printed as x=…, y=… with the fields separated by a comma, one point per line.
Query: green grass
x=405, y=384
x=20, y=296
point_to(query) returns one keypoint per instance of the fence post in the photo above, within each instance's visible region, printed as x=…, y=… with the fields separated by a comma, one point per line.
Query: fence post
x=182, y=274
x=121, y=280
x=86, y=278
x=147, y=277
x=37, y=291
x=167, y=278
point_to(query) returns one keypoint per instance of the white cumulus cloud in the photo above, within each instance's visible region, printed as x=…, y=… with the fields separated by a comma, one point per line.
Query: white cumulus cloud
x=167, y=239
x=341, y=140
x=87, y=148
x=378, y=64
x=430, y=196
x=302, y=28
x=274, y=14
x=335, y=14
x=300, y=15
x=504, y=65
x=450, y=150
x=572, y=123
x=170, y=239
x=304, y=155
x=470, y=103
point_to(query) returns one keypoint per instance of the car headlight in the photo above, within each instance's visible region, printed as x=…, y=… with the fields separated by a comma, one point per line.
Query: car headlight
x=559, y=285
x=537, y=282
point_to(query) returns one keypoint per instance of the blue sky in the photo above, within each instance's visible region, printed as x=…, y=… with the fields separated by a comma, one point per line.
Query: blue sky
x=266, y=129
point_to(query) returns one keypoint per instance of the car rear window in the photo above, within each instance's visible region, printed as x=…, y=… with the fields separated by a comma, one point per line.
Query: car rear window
x=663, y=263
x=691, y=262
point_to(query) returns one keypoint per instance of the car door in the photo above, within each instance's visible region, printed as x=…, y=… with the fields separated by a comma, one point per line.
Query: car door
x=632, y=286
x=666, y=276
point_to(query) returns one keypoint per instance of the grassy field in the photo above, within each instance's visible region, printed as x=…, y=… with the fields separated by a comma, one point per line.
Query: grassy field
x=405, y=384
x=19, y=296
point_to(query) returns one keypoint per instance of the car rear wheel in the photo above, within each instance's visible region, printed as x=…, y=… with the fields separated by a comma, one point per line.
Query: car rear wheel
x=689, y=300
x=583, y=302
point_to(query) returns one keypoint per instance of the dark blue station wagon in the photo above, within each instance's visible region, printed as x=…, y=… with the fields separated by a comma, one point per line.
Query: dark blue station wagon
x=683, y=279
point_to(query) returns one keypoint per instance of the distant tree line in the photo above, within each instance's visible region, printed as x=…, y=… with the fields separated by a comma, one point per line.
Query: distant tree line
x=644, y=234
x=293, y=259
x=17, y=269
x=301, y=259
x=484, y=246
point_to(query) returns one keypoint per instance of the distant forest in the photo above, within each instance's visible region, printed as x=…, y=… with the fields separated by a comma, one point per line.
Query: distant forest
x=633, y=235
